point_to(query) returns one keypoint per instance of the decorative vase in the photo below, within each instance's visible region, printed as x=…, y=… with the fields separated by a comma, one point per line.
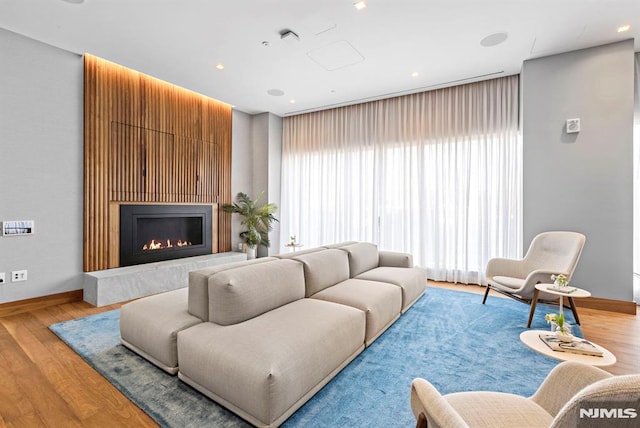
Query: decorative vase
x=251, y=251
x=563, y=335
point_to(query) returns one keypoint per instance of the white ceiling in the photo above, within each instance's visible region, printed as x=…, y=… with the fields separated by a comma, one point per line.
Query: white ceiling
x=343, y=55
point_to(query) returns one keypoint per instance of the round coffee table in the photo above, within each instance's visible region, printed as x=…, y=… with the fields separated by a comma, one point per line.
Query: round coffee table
x=531, y=338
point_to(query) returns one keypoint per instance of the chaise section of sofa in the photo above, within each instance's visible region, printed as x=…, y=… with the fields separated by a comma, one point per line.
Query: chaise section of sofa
x=367, y=263
x=150, y=326
x=268, y=348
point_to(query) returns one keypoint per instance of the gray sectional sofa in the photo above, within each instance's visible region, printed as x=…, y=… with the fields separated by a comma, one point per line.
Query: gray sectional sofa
x=262, y=337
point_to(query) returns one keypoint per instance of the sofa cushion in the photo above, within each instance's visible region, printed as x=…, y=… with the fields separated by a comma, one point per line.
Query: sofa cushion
x=381, y=302
x=236, y=295
x=150, y=326
x=508, y=283
x=323, y=269
x=267, y=367
x=395, y=259
x=199, y=285
x=412, y=281
x=362, y=257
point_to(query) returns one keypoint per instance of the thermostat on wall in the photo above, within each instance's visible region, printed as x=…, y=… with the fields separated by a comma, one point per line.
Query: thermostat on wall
x=573, y=125
x=17, y=228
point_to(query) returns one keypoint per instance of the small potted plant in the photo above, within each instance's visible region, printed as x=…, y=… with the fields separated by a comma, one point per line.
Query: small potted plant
x=257, y=219
x=560, y=280
x=559, y=326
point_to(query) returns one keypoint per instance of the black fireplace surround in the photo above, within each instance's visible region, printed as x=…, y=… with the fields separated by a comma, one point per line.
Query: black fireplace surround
x=152, y=233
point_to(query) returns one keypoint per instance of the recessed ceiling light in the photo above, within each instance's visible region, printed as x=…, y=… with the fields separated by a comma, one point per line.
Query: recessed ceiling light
x=360, y=4
x=292, y=101
x=220, y=66
x=623, y=28
x=415, y=74
x=493, y=39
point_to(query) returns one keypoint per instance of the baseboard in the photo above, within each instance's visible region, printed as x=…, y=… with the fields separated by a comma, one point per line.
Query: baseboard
x=21, y=306
x=621, y=306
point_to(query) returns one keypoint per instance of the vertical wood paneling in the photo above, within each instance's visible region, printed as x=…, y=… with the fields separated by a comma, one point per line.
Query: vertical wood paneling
x=149, y=141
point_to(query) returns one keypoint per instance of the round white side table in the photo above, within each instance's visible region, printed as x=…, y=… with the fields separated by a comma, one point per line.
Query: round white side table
x=570, y=293
x=294, y=246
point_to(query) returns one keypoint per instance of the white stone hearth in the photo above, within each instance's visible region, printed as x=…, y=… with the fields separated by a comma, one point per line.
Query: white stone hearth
x=109, y=286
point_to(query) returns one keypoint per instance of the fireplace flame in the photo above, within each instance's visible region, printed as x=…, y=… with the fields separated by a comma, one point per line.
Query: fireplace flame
x=159, y=245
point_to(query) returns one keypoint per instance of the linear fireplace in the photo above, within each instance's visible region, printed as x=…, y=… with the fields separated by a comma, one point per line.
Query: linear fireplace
x=151, y=233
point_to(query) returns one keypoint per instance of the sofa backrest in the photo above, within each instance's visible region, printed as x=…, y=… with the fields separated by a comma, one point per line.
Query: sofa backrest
x=340, y=244
x=323, y=269
x=239, y=294
x=293, y=254
x=199, y=285
x=363, y=256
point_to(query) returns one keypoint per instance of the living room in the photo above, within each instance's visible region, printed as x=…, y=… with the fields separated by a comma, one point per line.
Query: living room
x=584, y=184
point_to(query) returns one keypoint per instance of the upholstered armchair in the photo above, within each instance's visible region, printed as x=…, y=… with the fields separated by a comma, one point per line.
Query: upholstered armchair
x=549, y=253
x=569, y=387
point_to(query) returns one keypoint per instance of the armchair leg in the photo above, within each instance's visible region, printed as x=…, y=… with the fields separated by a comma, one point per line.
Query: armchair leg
x=574, y=310
x=534, y=302
x=486, y=293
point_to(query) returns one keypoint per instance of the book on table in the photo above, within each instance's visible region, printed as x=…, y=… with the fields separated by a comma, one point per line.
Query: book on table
x=576, y=346
x=564, y=290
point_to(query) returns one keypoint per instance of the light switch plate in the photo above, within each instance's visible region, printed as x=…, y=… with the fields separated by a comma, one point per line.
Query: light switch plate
x=573, y=126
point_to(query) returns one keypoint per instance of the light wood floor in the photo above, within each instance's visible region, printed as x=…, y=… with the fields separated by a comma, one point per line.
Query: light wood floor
x=44, y=383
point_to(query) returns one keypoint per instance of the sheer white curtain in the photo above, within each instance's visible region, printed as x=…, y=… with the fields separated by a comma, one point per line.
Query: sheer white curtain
x=437, y=174
x=636, y=185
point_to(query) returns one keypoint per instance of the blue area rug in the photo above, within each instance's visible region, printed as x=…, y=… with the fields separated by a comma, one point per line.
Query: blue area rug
x=447, y=337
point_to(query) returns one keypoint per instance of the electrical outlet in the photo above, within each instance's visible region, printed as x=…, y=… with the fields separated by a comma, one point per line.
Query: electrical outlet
x=1, y=277
x=18, y=275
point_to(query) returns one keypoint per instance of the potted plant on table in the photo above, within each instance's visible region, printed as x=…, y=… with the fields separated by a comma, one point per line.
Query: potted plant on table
x=257, y=219
x=560, y=280
x=560, y=326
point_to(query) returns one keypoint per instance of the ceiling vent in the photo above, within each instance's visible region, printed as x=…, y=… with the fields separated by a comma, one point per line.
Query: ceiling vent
x=289, y=36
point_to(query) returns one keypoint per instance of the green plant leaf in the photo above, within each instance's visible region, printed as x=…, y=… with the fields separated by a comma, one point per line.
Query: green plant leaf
x=257, y=220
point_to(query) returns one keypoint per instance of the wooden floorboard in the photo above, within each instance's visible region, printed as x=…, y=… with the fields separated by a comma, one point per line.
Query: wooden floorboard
x=44, y=383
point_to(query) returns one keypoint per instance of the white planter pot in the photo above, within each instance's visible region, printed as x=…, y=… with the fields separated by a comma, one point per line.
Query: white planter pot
x=251, y=251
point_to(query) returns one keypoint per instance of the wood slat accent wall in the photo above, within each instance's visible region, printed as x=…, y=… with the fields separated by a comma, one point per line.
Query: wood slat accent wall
x=146, y=140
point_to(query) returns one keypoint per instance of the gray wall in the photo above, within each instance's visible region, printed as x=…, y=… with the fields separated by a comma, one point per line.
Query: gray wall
x=266, y=132
x=583, y=181
x=241, y=167
x=41, y=116
x=255, y=167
